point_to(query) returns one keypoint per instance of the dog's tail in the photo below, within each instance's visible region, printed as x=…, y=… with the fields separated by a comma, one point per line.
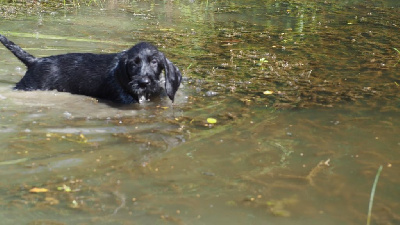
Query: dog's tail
x=21, y=54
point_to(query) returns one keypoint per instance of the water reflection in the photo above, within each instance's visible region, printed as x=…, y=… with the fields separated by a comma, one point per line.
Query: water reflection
x=305, y=154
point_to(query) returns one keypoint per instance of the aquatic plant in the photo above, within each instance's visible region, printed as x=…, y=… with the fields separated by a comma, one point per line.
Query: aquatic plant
x=77, y=3
x=262, y=62
x=371, y=199
x=399, y=54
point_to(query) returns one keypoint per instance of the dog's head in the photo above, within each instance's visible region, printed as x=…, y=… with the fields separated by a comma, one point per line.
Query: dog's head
x=139, y=70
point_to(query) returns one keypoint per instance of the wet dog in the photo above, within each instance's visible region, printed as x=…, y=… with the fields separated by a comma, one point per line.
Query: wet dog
x=125, y=77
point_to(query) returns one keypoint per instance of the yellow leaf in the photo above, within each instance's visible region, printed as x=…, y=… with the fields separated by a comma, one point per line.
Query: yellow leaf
x=38, y=190
x=211, y=120
x=268, y=92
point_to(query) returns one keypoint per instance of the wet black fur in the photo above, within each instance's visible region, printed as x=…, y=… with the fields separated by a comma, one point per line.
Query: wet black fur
x=123, y=77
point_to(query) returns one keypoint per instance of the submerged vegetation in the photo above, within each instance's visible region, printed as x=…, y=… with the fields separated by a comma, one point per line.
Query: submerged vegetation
x=56, y=3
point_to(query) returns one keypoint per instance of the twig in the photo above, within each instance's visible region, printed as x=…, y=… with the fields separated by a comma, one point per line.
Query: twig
x=123, y=200
x=316, y=170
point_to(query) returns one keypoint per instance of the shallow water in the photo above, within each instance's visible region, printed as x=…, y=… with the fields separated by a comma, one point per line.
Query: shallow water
x=306, y=152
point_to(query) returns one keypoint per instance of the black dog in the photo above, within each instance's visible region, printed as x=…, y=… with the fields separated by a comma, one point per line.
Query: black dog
x=124, y=77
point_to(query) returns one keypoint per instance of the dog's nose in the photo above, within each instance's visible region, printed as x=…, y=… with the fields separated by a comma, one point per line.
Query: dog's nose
x=144, y=82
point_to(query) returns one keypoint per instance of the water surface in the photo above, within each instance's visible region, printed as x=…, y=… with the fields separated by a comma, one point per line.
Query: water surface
x=306, y=97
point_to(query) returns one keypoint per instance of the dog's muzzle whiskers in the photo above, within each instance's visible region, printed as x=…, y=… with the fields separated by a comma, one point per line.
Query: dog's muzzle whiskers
x=143, y=93
x=142, y=99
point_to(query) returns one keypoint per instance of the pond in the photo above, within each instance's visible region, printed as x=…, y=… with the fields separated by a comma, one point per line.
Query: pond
x=305, y=94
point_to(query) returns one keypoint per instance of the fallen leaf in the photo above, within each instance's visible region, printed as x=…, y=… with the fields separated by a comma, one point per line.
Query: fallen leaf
x=268, y=92
x=38, y=190
x=211, y=120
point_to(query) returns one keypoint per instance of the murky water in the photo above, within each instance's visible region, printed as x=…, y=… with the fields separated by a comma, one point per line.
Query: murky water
x=306, y=97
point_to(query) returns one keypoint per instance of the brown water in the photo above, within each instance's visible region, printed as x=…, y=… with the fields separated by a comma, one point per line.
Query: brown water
x=305, y=154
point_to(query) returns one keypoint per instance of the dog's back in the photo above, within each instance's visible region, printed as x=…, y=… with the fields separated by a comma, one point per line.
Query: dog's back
x=77, y=73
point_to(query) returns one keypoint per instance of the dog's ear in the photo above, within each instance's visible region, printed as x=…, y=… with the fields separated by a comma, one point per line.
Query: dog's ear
x=173, y=78
x=121, y=73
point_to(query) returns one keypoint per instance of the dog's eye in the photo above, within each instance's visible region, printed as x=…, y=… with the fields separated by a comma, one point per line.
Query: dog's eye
x=137, y=60
x=153, y=61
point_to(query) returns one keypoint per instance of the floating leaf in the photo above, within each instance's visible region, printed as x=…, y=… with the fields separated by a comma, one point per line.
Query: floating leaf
x=38, y=190
x=211, y=120
x=64, y=188
x=268, y=92
x=67, y=189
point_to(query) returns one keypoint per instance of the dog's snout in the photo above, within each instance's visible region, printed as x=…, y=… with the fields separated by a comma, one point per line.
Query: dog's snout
x=143, y=82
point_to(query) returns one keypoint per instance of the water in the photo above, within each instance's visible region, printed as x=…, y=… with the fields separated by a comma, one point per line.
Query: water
x=305, y=154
